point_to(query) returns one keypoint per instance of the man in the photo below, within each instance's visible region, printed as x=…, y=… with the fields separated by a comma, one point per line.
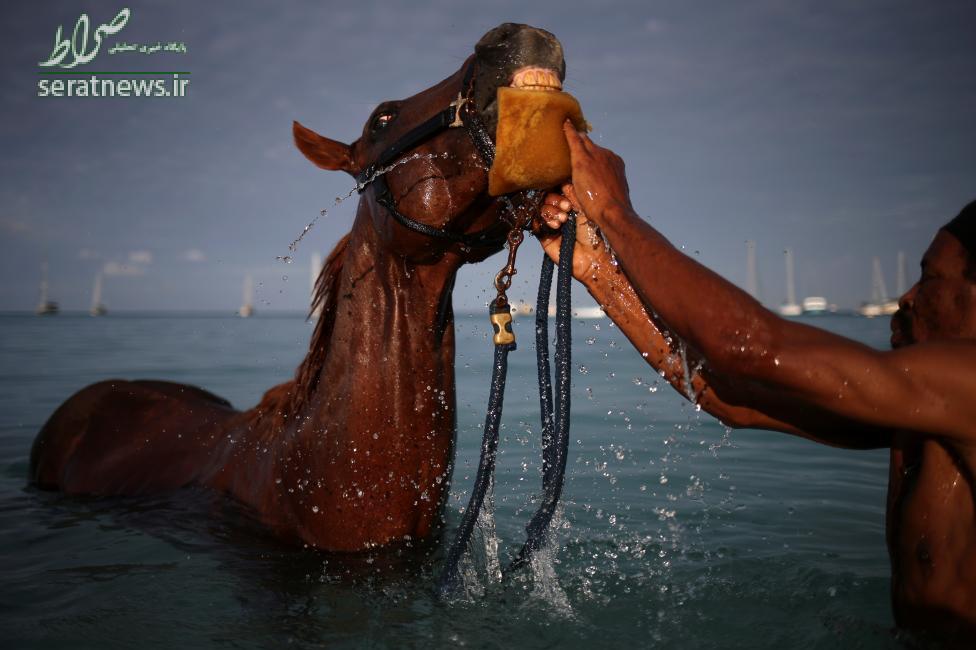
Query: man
x=760, y=371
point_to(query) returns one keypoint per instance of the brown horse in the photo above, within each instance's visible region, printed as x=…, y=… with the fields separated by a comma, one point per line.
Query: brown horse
x=357, y=450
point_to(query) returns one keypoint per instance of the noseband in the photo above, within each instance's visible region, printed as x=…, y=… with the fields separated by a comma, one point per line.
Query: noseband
x=459, y=114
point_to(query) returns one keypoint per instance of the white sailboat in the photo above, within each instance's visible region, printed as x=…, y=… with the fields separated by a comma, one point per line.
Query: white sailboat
x=880, y=304
x=97, y=308
x=790, y=307
x=45, y=306
x=814, y=305
x=247, y=308
x=588, y=312
x=314, y=271
x=522, y=308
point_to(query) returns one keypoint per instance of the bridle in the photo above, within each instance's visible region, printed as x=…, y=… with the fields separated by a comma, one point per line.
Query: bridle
x=459, y=114
x=555, y=414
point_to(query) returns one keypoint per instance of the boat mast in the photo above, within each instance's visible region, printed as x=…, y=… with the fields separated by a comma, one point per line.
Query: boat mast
x=752, y=271
x=901, y=273
x=790, y=286
x=247, y=307
x=879, y=292
x=96, y=301
x=42, y=303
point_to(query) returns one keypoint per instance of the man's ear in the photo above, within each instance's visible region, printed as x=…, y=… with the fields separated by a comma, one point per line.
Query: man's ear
x=325, y=153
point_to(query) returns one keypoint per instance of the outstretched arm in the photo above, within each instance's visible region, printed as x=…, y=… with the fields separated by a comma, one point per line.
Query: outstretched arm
x=680, y=365
x=795, y=375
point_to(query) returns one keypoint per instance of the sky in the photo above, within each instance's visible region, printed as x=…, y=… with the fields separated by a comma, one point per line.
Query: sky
x=841, y=130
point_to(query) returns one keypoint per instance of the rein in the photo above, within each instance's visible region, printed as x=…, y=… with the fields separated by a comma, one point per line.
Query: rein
x=555, y=422
x=555, y=415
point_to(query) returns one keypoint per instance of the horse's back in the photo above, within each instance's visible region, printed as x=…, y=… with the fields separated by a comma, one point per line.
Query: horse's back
x=128, y=437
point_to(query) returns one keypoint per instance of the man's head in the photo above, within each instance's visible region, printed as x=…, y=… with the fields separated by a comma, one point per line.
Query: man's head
x=942, y=304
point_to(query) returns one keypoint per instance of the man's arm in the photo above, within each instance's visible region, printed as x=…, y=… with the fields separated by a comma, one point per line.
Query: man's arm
x=927, y=388
x=595, y=268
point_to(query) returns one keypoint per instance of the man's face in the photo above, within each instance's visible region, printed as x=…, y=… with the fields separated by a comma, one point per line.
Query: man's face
x=942, y=304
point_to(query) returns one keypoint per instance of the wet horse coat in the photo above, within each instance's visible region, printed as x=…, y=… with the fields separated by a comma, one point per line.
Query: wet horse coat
x=357, y=450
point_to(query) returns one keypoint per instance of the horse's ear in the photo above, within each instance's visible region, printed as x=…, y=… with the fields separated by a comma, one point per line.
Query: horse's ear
x=325, y=153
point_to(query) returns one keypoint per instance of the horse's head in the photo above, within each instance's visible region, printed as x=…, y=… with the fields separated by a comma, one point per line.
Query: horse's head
x=435, y=144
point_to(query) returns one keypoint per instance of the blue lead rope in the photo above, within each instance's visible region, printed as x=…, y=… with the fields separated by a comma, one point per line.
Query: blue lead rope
x=555, y=426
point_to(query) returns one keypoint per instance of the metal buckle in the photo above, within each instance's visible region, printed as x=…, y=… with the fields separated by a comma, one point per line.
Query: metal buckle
x=457, y=104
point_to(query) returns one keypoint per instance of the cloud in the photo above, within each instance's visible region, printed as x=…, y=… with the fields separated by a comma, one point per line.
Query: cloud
x=14, y=226
x=194, y=255
x=115, y=269
x=88, y=254
x=654, y=26
x=141, y=257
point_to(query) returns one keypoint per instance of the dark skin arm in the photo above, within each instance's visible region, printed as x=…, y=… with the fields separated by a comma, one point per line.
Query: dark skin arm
x=761, y=371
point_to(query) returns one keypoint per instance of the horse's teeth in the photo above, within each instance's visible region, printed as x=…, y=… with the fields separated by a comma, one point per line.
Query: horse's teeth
x=536, y=79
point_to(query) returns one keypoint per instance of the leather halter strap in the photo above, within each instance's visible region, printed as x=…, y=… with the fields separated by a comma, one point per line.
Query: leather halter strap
x=458, y=113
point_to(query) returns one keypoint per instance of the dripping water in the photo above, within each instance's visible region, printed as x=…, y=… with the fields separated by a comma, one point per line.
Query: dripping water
x=359, y=187
x=545, y=581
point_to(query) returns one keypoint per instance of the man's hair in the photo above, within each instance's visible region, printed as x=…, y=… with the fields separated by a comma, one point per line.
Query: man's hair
x=963, y=228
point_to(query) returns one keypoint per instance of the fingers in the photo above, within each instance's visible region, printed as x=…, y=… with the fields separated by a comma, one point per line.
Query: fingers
x=570, y=193
x=554, y=210
x=573, y=139
x=555, y=215
x=557, y=201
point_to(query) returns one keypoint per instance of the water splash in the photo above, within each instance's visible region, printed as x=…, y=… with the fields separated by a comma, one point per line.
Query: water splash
x=359, y=187
x=545, y=582
x=688, y=373
x=480, y=567
x=489, y=535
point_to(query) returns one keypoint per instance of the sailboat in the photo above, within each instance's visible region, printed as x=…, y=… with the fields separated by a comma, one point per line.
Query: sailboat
x=522, y=308
x=586, y=312
x=814, y=305
x=790, y=307
x=97, y=308
x=247, y=309
x=45, y=306
x=880, y=304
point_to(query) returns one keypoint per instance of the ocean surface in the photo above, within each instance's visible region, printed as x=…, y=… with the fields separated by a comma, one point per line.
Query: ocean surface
x=674, y=532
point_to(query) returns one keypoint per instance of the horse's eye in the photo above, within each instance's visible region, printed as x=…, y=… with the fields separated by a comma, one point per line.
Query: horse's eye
x=382, y=121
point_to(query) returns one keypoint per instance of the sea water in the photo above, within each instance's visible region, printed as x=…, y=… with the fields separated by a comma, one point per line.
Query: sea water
x=672, y=532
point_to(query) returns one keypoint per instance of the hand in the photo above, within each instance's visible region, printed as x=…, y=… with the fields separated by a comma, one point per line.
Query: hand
x=590, y=250
x=598, y=176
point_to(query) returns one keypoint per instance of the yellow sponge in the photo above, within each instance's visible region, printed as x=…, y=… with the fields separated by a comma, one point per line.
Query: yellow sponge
x=530, y=148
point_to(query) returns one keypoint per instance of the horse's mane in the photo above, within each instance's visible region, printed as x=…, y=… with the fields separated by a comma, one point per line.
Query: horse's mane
x=290, y=398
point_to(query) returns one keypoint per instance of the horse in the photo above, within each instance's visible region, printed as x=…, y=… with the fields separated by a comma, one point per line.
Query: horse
x=356, y=451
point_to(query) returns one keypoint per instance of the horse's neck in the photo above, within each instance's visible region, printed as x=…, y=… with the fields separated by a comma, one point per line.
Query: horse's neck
x=378, y=433
x=387, y=353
